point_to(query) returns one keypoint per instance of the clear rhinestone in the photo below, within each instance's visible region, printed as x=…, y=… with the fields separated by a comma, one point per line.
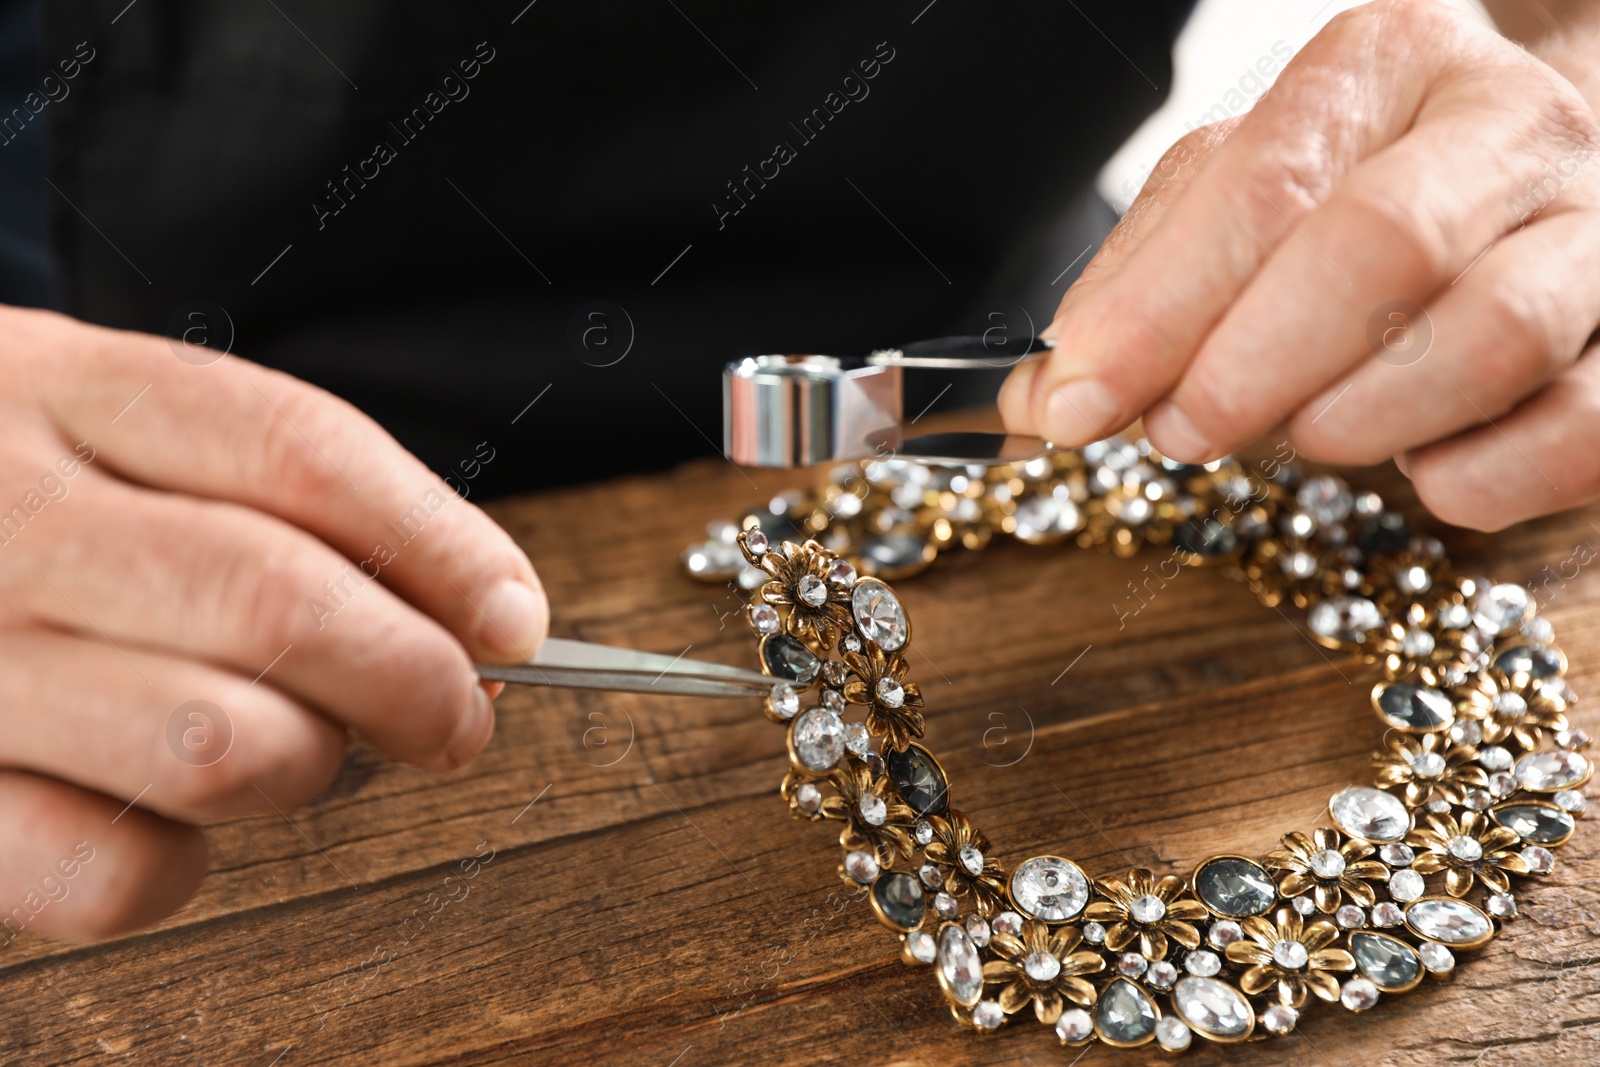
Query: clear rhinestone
x=1416, y=643
x=978, y=930
x=890, y=694
x=818, y=738
x=1007, y=922
x=1370, y=814
x=861, y=866
x=1397, y=854
x=1049, y=888
x=1385, y=913
x=1451, y=921
x=1502, y=784
x=850, y=643
x=922, y=946
x=1510, y=705
x=1326, y=499
x=1350, y=917
x=1539, y=859
x=988, y=1015
x=1538, y=628
x=764, y=619
x=1466, y=732
x=833, y=700
x=1041, y=966
x=1546, y=772
x=922, y=832
x=1172, y=1034
x=946, y=905
x=873, y=809
x=1501, y=905
x=971, y=859
x=784, y=701
x=1161, y=974
x=1279, y=1018
x=1437, y=958
x=1571, y=738
x=1428, y=765
x=1224, y=933
x=840, y=572
x=1455, y=617
x=879, y=615
x=1358, y=994
x=1132, y=964
x=1300, y=564
x=1501, y=608
x=1214, y=1008
x=960, y=968
x=1202, y=963
x=1415, y=707
x=1074, y=1026
x=812, y=590
x=1495, y=758
x=1413, y=580
x=1465, y=849
x=1290, y=955
x=857, y=740
x=1438, y=806
x=1571, y=800
x=1536, y=823
x=1327, y=864
x=756, y=542
x=1406, y=886
x=1147, y=908
x=833, y=673
x=808, y=798
x=1477, y=800
x=1304, y=905
x=930, y=876
x=1094, y=933
x=1346, y=619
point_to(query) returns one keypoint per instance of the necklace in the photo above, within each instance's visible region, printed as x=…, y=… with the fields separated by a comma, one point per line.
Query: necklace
x=1477, y=781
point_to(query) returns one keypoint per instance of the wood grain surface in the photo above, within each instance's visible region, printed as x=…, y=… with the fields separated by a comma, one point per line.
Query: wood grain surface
x=615, y=879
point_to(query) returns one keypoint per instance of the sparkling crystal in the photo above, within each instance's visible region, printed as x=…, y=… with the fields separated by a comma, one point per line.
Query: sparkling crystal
x=1385, y=913
x=1351, y=917
x=1172, y=1034
x=1389, y=963
x=1132, y=964
x=930, y=876
x=1571, y=800
x=1502, y=784
x=812, y=590
x=1543, y=824
x=1465, y=849
x=1397, y=854
x=1428, y=765
x=1161, y=974
x=1212, y=1007
x=1500, y=609
x=857, y=740
x=922, y=946
x=1326, y=499
x=900, y=899
x=756, y=542
x=1494, y=757
x=1370, y=814
x=833, y=700
x=1202, y=963
x=1007, y=922
x=879, y=615
x=1041, y=519
x=808, y=798
x=1279, y=1018
x=1406, y=886
x=1327, y=864
x=1437, y=958
x=850, y=643
x=833, y=673
x=787, y=658
x=840, y=572
x=890, y=694
x=1041, y=966
x=978, y=930
x=1412, y=580
x=1358, y=994
x=861, y=866
x=1236, y=887
x=1477, y=799
x=1224, y=933
x=960, y=969
x=988, y=1015
x=1074, y=1026
x=1539, y=859
x=1094, y=933
x=971, y=859
x=1510, y=705
x=1437, y=806
x=1147, y=908
x=1049, y=888
x=1534, y=660
x=784, y=701
x=1538, y=628
x=1546, y=772
x=918, y=779
x=922, y=832
x=1124, y=1015
x=1455, y=617
x=1408, y=706
x=1290, y=955
x=1453, y=922
x=1346, y=619
x=1416, y=643
x=1501, y=905
x=764, y=619
x=818, y=739
x=1300, y=564
x=872, y=809
x=946, y=905
x=1466, y=732
x=1571, y=738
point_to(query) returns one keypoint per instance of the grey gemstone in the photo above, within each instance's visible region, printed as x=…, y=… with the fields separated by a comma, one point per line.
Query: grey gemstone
x=1543, y=824
x=1237, y=888
x=1415, y=707
x=1384, y=534
x=1450, y=922
x=900, y=898
x=1206, y=537
x=1534, y=660
x=787, y=658
x=1387, y=962
x=893, y=553
x=1213, y=1008
x=1125, y=1015
x=918, y=779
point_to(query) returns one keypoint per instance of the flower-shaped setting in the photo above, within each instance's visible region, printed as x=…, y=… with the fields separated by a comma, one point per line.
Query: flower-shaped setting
x=1137, y=906
x=815, y=608
x=1430, y=768
x=1042, y=968
x=1513, y=706
x=1291, y=570
x=879, y=683
x=875, y=816
x=1291, y=954
x=1328, y=866
x=1467, y=850
x=961, y=853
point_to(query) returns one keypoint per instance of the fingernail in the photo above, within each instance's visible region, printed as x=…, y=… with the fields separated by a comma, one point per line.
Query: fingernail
x=1401, y=462
x=514, y=619
x=1178, y=437
x=1080, y=411
x=474, y=729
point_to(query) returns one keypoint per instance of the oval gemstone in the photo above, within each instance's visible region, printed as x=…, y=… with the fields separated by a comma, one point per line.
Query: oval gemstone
x=1206, y=537
x=1547, y=772
x=1370, y=814
x=1124, y=1014
x=960, y=970
x=1543, y=824
x=879, y=614
x=900, y=900
x=1450, y=922
x=1212, y=1008
x=1345, y=619
x=1235, y=887
x=1387, y=962
x=1421, y=708
x=1534, y=660
x=918, y=779
x=818, y=737
x=1049, y=888
x=785, y=657
x=1042, y=519
x=895, y=555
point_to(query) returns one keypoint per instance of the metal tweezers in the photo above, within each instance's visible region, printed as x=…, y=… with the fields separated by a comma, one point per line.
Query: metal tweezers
x=580, y=665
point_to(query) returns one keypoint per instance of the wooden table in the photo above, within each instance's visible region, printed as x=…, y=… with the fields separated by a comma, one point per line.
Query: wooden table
x=615, y=880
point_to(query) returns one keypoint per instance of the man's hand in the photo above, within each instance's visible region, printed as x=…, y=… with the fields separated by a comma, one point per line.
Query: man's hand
x=1395, y=254
x=227, y=535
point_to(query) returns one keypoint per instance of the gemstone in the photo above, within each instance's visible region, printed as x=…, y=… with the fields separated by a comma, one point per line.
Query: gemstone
x=1455, y=617
x=756, y=542
x=946, y=905
x=1132, y=964
x=1172, y=1034
x=1546, y=772
x=1147, y=908
x=1477, y=800
x=1539, y=859
x=1094, y=933
x=850, y=643
x=1389, y=963
x=1406, y=886
x=1437, y=958
x=1495, y=758
x=818, y=739
x=1290, y=955
x=1468, y=732
x=1041, y=966
x=857, y=740
x=921, y=945
x=833, y=673
x=861, y=866
x=1413, y=580
x=812, y=590
x=1351, y=917
x=978, y=930
x=1452, y=922
x=971, y=859
x=1124, y=1015
x=1428, y=765
x=1386, y=914
x=1358, y=994
x=1327, y=864
x=1370, y=814
x=1326, y=499
x=899, y=899
x=1408, y=706
x=1161, y=974
x=988, y=1015
x=1500, y=609
x=1224, y=933
x=833, y=700
x=1304, y=905
x=1534, y=660
x=1042, y=519
x=1465, y=849
x=895, y=553
x=1571, y=800
x=872, y=809
x=1279, y=1018
x=1213, y=1008
x=1202, y=963
x=1397, y=854
x=890, y=694
x=1501, y=905
x=1074, y=1026
x=808, y=798
x=784, y=701
x=879, y=615
x=1007, y=922
x=764, y=619
x=918, y=779
x=1344, y=619
x=1235, y=887
x=1510, y=705
x=1049, y=888
x=1205, y=537
x=930, y=875
x=1502, y=784
x=1538, y=628
x=1571, y=738
x=960, y=970
x=1301, y=564
x=1417, y=643
x=785, y=657
x=1385, y=534
x=1437, y=806
x=922, y=831
x=840, y=572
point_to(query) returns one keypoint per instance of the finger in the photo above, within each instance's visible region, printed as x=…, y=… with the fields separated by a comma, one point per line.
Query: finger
x=1513, y=323
x=186, y=740
x=1542, y=458
x=239, y=432
x=1171, y=175
x=219, y=582
x=78, y=865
